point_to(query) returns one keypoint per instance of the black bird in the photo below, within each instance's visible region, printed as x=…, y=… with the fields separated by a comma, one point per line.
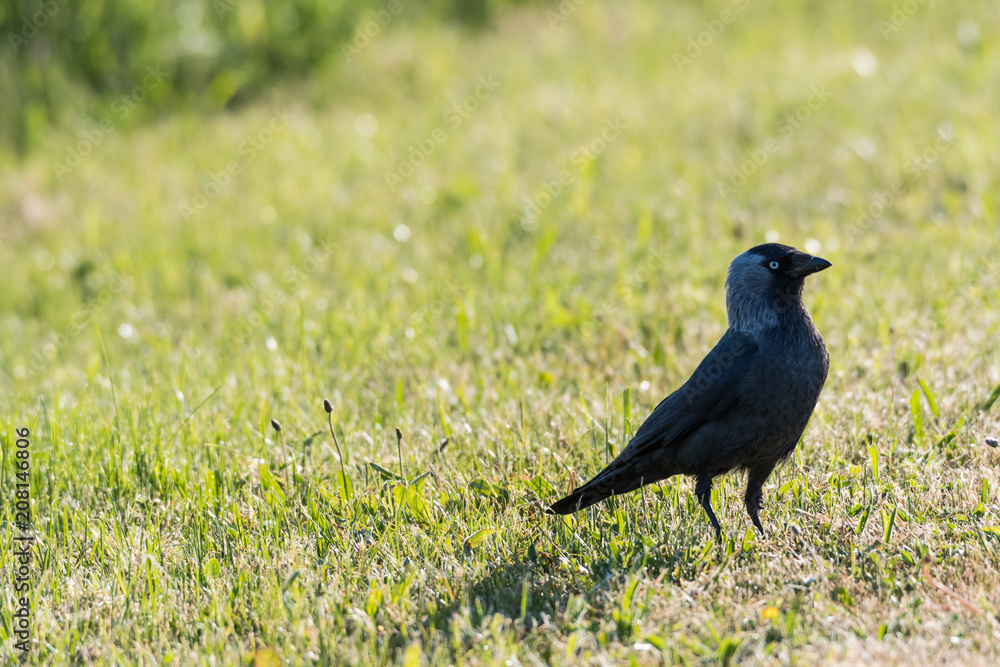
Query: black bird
x=747, y=403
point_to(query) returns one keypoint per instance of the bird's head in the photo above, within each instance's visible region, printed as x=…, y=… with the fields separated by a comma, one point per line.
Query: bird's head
x=765, y=282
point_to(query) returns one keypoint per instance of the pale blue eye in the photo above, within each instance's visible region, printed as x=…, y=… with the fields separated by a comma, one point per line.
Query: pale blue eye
x=773, y=265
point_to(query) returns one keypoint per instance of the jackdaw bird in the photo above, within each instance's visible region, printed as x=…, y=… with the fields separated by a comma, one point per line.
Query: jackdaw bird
x=747, y=403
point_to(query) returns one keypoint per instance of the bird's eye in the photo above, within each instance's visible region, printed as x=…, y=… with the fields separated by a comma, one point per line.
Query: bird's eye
x=773, y=265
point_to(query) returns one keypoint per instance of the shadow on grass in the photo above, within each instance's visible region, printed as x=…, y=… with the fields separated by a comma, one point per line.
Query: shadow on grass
x=577, y=574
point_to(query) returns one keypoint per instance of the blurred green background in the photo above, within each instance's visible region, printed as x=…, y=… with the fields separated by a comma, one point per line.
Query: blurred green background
x=63, y=57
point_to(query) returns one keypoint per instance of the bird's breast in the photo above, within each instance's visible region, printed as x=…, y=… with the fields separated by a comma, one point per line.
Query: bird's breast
x=795, y=363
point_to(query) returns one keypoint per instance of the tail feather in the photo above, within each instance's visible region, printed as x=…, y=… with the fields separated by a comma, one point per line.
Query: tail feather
x=612, y=481
x=577, y=500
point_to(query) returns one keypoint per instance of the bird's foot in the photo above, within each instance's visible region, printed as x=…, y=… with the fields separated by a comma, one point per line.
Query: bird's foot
x=754, y=501
x=704, y=494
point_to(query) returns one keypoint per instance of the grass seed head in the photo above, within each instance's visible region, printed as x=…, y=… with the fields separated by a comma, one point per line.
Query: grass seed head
x=276, y=425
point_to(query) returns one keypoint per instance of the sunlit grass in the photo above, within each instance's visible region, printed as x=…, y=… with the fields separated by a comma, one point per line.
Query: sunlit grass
x=515, y=349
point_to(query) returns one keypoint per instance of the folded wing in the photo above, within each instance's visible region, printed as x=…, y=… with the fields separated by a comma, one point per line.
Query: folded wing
x=715, y=388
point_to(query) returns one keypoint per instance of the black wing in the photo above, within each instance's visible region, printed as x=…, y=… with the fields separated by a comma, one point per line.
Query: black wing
x=716, y=387
x=713, y=390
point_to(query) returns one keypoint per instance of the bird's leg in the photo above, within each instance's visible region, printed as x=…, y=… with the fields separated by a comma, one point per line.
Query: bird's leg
x=754, y=500
x=703, y=491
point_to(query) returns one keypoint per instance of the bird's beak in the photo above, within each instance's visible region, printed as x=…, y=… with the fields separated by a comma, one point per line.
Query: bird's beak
x=810, y=266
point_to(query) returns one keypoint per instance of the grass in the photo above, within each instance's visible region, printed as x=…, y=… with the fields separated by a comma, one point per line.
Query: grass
x=515, y=347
